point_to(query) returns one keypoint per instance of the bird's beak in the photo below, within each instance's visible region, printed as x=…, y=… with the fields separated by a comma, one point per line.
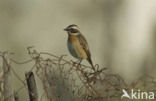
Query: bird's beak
x=66, y=29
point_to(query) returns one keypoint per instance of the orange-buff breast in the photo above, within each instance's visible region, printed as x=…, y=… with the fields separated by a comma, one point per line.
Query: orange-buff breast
x=76, y=46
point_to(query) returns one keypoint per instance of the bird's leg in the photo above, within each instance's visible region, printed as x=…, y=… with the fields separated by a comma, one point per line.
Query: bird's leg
x=79, y=62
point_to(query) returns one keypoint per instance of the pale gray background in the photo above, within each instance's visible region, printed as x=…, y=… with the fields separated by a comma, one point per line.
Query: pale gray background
x=121, y=33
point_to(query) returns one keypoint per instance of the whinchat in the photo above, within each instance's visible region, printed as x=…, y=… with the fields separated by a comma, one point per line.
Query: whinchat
x=77, y=44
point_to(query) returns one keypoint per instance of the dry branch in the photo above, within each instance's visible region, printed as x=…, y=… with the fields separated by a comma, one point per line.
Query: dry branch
x=16, y=97
x=65, y=80
x=32, y=89
x=8, y=92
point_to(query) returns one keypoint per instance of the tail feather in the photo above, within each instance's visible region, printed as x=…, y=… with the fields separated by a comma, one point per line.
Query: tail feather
x=91, y=63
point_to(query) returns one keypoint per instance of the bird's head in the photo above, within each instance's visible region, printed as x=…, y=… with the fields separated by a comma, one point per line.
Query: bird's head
x=72, y=29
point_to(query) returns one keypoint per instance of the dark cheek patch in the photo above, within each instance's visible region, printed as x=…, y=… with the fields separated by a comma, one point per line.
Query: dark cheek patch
x=74, y=30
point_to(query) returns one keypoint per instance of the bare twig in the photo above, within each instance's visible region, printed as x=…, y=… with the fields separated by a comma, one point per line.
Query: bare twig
x=8, y=92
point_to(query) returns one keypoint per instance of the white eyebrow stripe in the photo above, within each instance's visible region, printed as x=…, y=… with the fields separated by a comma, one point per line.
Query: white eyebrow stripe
x=75, y=27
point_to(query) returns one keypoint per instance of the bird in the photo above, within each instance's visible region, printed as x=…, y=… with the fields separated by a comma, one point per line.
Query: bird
x=77, y=44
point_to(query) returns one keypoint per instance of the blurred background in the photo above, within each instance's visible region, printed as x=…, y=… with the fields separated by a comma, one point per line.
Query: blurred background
x=121, y=33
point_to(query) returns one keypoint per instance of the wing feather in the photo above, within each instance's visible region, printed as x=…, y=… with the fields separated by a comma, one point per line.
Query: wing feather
x=85, y=46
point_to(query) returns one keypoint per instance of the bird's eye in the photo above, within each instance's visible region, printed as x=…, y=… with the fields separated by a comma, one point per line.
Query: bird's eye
x=73, y=30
